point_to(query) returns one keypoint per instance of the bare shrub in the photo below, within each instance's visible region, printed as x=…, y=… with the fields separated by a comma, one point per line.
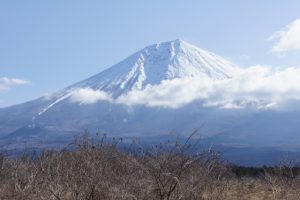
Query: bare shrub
x=97, y=168
x=283, y=180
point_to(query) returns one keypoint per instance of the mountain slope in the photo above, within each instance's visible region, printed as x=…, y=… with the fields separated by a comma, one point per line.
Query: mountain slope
x=156, y=73
x=158, y=62
x=150, y=66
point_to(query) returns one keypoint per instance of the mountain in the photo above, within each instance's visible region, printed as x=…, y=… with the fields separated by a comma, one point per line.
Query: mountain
x=162, y=61
x=157, y=91
x=153, y=64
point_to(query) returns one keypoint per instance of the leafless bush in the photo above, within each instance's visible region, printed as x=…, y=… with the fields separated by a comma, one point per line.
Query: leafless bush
x=98, y=169
x=283, y=180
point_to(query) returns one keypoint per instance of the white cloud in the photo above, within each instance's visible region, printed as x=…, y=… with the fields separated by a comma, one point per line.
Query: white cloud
x=170, y=93
x=259, y=87
x=89, y=96
x=6, y=83
x=287, y=39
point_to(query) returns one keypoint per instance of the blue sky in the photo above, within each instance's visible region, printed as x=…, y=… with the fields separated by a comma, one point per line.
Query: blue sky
x=52, y=44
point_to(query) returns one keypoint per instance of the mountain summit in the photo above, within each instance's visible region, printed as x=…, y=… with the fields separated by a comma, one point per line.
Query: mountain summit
x=158, y=62
x=169, y=87
x=150, y=66
x=63, y=111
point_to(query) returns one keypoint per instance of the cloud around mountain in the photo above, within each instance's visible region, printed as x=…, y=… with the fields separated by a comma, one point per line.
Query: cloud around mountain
x=259, y=87
x=89, y=96
x=6, y=83
x=288, y=38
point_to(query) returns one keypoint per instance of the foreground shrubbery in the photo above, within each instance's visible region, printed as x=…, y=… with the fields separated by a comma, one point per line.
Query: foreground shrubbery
x=99, y=170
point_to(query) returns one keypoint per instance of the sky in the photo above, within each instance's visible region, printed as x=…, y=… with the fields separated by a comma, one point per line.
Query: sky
x=48, y=45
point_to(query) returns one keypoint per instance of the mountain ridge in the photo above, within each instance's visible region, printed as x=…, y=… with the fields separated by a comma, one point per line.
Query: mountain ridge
x=151, y=65
x=157, y=62
x=165, y=83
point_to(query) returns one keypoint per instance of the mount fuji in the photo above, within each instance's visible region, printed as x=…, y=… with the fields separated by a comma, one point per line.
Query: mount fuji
x=159, y=90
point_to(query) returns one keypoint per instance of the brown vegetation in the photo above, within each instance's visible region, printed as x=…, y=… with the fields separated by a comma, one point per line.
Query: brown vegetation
x=99, y=170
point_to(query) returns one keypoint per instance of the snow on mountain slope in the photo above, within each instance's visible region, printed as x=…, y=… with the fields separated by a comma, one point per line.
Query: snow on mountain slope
x=150, y=66
x=158, y=62
x=173, y=74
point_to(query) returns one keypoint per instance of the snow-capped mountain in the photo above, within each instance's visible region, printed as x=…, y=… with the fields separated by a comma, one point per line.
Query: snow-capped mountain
x=161, y=89
x=158, y=62
x=149, y=67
